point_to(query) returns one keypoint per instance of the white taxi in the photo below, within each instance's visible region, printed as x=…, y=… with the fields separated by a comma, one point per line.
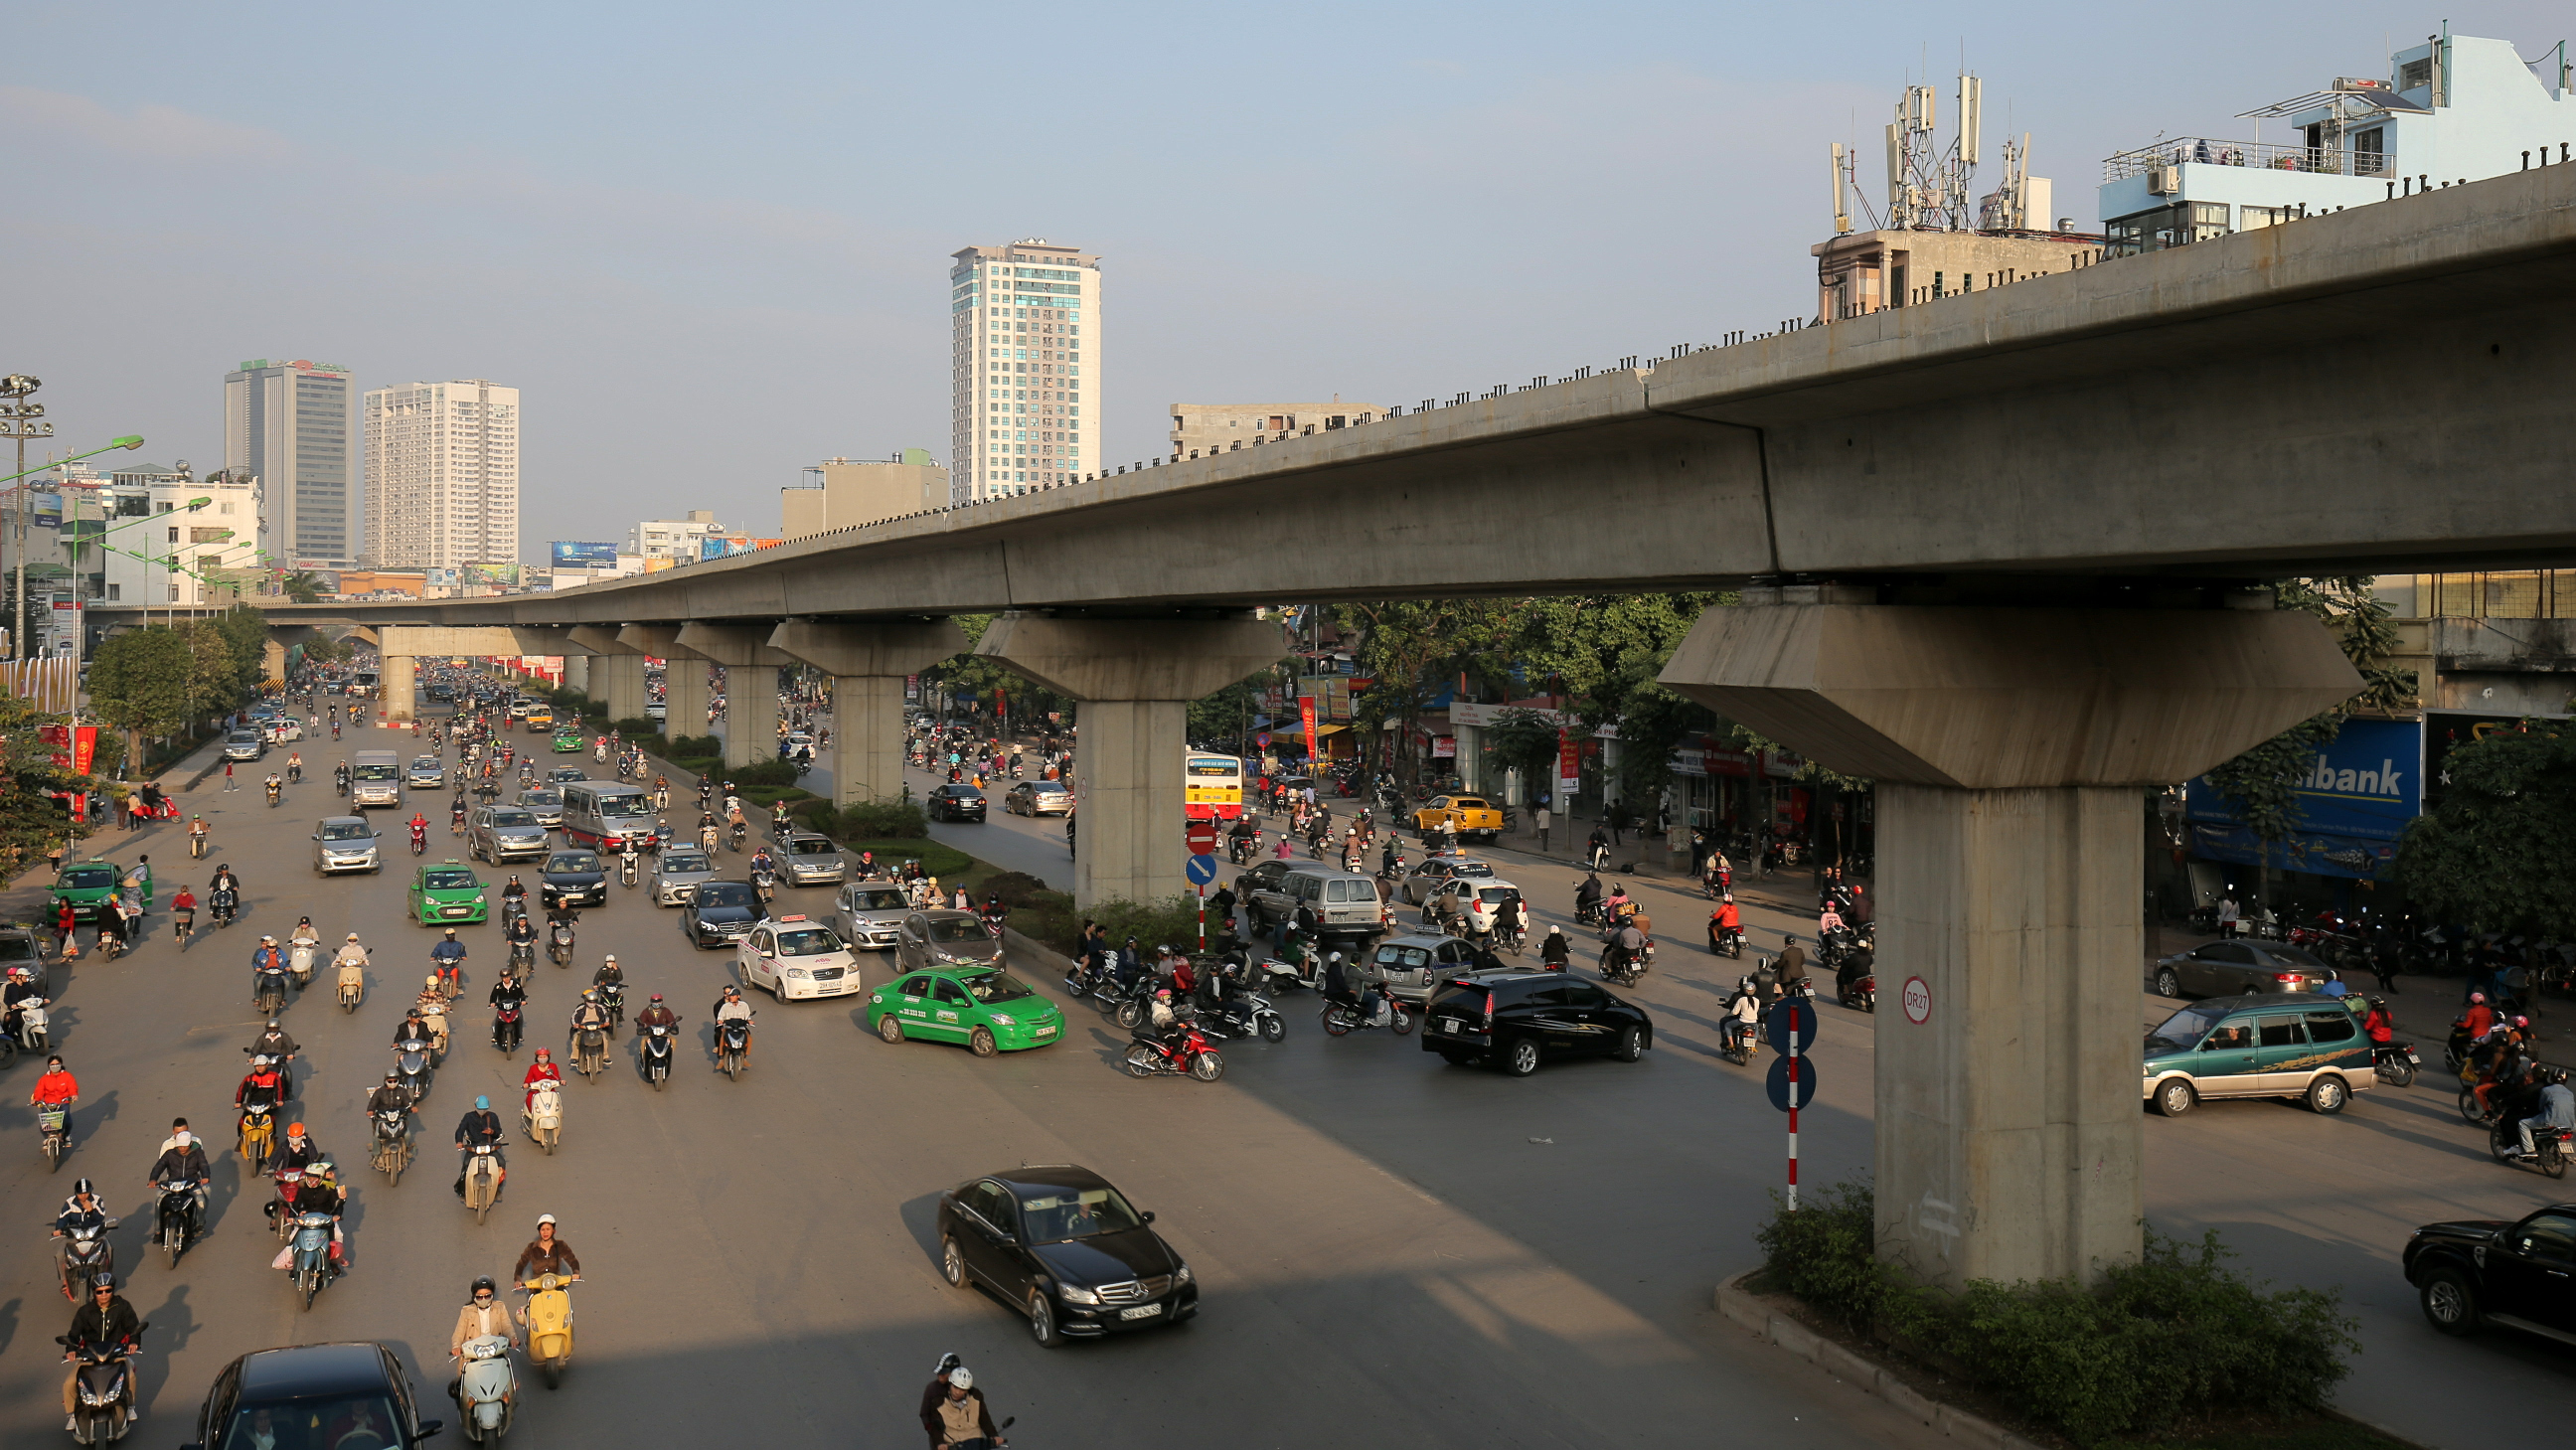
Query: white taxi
x=796, y=958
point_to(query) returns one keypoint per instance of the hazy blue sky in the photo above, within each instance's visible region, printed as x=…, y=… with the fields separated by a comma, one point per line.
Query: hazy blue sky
x=709, y=243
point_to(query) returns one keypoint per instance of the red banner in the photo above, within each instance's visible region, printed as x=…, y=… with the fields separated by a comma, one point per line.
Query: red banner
x=1306, y=713
x=75, y=746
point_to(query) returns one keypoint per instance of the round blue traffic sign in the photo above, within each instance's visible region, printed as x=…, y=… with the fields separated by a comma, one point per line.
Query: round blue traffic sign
x=1778, y=1082
x=1202, y=870
x=1794, y=1014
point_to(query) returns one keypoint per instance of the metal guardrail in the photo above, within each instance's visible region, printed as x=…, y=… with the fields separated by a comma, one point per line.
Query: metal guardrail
x=2205, y=151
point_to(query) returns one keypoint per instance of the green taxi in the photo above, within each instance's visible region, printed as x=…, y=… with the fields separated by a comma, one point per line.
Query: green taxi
x=986, y=1008
x=567, y=742
x=2303, y=1045
x=447, y=894
x=88, y=886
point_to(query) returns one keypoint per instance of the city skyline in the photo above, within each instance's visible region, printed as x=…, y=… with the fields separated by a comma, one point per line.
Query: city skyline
x=1449, y=207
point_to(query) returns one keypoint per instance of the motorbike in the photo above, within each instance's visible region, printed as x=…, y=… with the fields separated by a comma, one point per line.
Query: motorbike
x=735, y=835
x=482, y=1180
x=764, y=883
x=1860, y=993
x=1725, y=941
x=1189, y=1052
x=197, y=846
x=487, y=1391
x=352, y=986
x=268, y=989
x=1247, y=1015
x=733, y=1045
x=32, y=1020
x=1238, y=849
x=174, y=1218
x=393, y=1144
x=276, y=793
x=508, y=1023
x=223, y=904
x=86, y=1251
x=411, y=1066
x=281, y=1209
x=257, y=1131
x=1625, y=968
x=295, y=775
x=299, y=960
x=1740, y=1040
x=589, y=1052
x=559, y=943
x=548, y=1315
x=523, y=954
x=2395, y=1063
x=613, y=997
x=105, y=1384
x=2551, y=1148
x=1131, y=1004
x=309, y=1265
x=543, y=1117
x=627, y=870
x=653, y=1056
x=1341, y=1018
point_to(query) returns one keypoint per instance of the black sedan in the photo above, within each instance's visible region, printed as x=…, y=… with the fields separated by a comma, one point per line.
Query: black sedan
x=1065, y=1248
x=573, y=878
x=2469, y=1272
x=350, y=1394
x=719, y=913
x=956, y=803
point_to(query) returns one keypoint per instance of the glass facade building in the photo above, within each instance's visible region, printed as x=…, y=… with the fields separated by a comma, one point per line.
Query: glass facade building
x=1025, y=368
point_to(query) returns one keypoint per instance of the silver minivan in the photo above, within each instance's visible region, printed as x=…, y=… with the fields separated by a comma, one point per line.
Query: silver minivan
x=376, y=779
x=1330, y=904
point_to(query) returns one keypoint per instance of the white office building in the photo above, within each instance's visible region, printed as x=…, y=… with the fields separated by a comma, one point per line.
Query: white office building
x=442, y=475
x=287, y=424
x=682, y=539
x=1025, y=327
x=132, y=538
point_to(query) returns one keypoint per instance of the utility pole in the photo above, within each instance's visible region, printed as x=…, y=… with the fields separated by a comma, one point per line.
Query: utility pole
x=18, y=419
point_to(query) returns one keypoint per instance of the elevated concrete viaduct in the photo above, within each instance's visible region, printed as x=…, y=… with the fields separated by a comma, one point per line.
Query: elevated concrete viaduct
x=2115, y=452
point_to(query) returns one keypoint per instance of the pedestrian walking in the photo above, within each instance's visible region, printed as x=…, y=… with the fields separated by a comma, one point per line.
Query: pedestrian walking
x=2228, y=917
x=1542, y=818
x=1615, y=817
x=228, y=777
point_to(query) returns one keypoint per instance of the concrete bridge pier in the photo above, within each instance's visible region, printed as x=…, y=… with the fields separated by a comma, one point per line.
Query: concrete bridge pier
x=751, y=696
x=867, y=662
x=616, y=671
x=1134, y=679
x=684, y=679
x=2012, y=748
x=396, y=679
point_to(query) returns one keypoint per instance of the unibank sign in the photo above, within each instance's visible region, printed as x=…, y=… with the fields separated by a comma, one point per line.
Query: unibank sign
x=2359, y=792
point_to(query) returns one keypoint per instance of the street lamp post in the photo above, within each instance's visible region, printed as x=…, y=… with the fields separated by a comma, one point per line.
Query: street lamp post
x=18, y=419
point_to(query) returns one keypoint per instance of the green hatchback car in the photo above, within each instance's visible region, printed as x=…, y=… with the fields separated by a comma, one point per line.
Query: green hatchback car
x=568, y=742
x=88, y=885
x=985, y=1008
x=2302, y=1045
x=447, y=894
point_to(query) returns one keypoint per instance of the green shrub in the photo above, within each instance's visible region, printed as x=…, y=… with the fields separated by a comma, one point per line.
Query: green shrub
x=890, y=819
x=2148, y=1346
x=816, y=813
x=945, y=862
x=1017, y=889
x=768, y=772
x=638, y=730
x=1051, y=918
x=696, y=745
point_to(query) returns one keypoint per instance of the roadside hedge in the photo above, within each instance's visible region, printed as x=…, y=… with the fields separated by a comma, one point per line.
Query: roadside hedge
x=2148, y=1347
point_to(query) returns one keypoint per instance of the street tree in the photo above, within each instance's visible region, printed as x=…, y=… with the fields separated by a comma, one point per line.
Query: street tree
x=2499, y=852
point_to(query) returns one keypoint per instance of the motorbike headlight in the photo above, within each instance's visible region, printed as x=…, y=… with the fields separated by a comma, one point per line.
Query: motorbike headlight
x=1074, y=1295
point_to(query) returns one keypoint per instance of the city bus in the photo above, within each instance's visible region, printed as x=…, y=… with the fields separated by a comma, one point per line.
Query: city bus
x=1213, y=787
x=604, y=814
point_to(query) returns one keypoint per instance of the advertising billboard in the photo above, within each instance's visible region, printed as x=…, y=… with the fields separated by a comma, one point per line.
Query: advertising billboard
x=504, y=575
x=570, y=554
x=2350, y=807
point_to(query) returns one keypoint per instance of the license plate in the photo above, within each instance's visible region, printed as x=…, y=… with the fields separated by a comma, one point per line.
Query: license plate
x=1043, y=1032
x=1450, y=1026
x=1141, y=1311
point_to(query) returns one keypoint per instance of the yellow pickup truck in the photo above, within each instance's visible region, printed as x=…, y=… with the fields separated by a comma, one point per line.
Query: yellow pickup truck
x=1473, y=816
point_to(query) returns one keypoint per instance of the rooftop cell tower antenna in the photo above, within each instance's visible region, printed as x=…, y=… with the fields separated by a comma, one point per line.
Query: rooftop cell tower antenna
x=1927, y=186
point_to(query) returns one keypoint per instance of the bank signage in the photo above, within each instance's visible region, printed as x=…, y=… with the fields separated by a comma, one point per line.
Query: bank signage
x=2352, y=803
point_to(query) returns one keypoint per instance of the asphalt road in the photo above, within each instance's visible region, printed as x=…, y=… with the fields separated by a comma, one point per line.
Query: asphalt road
x=1393, y=1252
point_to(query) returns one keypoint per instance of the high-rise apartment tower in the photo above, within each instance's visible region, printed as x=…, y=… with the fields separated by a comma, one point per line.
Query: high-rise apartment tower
x=442, y=475
x=1025, y=322
x=288, y=423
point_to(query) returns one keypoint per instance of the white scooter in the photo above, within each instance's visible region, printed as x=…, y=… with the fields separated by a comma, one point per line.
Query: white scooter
x=31, y=1024
x=487, y=1389
x=300, y=961
x=543, y=1117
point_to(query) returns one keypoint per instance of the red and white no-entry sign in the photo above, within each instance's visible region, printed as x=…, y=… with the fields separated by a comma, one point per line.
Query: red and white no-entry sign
x=1918, y=1001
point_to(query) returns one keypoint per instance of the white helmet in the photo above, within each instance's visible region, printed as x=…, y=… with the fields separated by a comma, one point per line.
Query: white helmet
x=962, y=1377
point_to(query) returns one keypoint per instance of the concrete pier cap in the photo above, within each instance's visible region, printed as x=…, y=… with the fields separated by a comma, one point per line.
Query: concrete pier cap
x=2011, y=747
x=867, y=661
x=1134, y=679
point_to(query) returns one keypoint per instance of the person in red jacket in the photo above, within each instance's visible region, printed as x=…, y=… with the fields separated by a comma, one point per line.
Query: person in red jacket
x=543, y=1070
x=56, y=1089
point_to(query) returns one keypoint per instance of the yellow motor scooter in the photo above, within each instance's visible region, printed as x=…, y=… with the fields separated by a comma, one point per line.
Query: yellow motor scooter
x=548, y=1317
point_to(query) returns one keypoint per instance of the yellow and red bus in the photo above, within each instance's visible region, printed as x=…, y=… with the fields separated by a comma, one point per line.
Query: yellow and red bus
x=1212, y=787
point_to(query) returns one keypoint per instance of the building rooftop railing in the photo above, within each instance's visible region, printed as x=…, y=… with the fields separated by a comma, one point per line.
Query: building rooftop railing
x=2206, y=151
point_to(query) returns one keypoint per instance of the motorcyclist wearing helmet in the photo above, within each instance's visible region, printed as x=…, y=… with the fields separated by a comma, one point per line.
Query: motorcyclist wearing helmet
x=731, y=1007
x=655, y=1014
x=540, y=1072
x=548, y=1253
x=391, y=1097
x=521, y=934
x=959, y=1416
x=1586, y=897
x=1553, y=952
x=1743, y=1009
x=106, y=1320
x=481, y=1127
x=81, y=1213
x=483, y=1315
x=515, y=892
x=182, y=1160
x=2557, y=1107
x=449, y=957
x=278, y=1047
x=609, y=973
x=295, y=1152
x=320, y=1193
x=588, y=1015
x=1792, y=964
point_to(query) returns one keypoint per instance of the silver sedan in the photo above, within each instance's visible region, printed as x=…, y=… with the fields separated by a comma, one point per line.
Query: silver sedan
x=677, y=873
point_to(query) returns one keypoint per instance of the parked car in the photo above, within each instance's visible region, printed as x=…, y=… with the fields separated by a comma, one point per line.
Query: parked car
x=795, y=959
x=2263, y=1045
x=504, y=833
x=869, y=914
x=1038, y=798
x=354, y=1391
x=679, y=873
x=1473, y=816
x=2234, y=968
x=719, y=913
x=1434, y=872
x=945, y=938
x=2518, y=1273
x=1065, y=1248
x=1517, y=1019
x=573, y=877
x=956, y=803
x=345, y=843
x=448, y=894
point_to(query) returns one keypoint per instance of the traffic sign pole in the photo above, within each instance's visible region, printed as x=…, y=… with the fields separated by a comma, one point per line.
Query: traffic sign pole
x=1202, y=921
x=1793, y=1122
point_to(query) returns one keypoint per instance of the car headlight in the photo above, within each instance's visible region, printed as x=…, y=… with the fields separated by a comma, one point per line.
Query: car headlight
x=1073, y=1295
x=1181, y=1275
x=798, y=974
x=1001, y=1021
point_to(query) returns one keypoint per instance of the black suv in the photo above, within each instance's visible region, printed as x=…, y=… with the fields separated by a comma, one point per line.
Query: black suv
x=957, y=803
x=2487, y=1270
x=1515, y=1018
